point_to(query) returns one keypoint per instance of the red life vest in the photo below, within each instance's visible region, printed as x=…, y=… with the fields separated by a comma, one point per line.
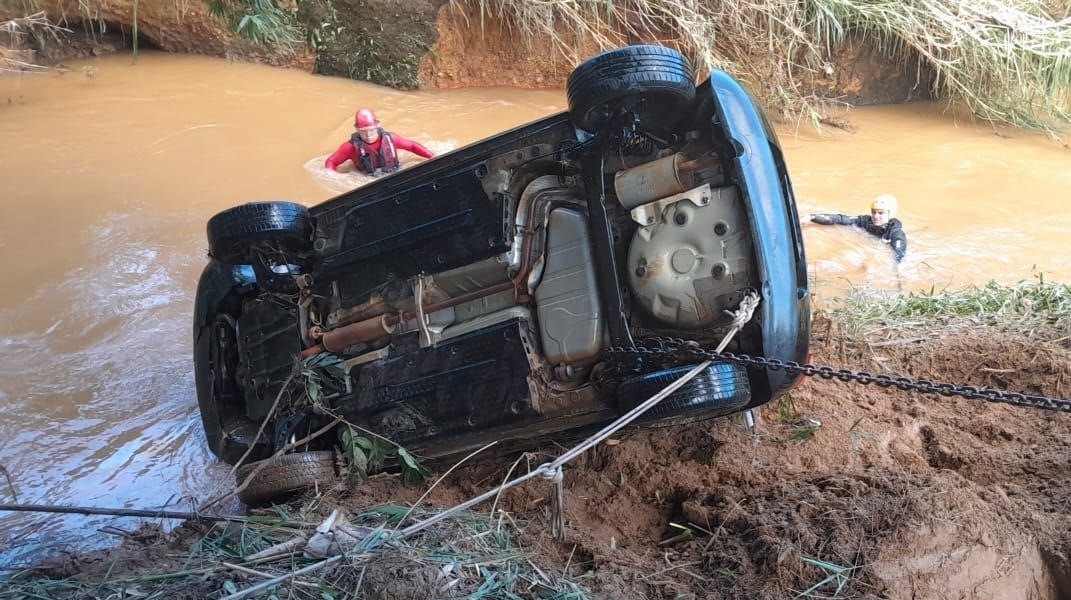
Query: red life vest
x=371, y=161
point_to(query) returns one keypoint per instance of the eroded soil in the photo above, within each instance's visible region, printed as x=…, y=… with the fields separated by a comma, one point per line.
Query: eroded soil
x=876, y=492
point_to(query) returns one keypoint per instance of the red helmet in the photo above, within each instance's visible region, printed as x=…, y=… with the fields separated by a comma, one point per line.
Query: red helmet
x=365, y=118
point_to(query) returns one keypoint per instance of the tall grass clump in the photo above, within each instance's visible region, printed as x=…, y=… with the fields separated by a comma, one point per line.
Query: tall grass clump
x=1007, y=60
x=1031, y=305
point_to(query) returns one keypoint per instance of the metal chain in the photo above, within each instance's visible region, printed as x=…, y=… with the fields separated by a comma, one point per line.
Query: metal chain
x=680, y=349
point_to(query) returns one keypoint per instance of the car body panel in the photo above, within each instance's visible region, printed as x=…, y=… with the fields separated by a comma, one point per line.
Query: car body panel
x=784, y=310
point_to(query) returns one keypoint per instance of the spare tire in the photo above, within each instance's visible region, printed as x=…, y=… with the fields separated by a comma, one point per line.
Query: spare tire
x=285, y=474
x=722, y=389
x=232, y=232
x=655, y=82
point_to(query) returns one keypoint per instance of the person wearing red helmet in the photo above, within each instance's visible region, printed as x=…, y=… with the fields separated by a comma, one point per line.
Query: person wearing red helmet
x=373, y=150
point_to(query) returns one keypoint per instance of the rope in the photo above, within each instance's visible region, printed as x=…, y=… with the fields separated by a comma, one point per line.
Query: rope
x=553, y=470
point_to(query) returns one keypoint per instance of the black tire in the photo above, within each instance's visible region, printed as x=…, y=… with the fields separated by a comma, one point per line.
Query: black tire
x=285, y=474
x=654, y=81
x=207, y=404
x=232, y=232
x=722, y=389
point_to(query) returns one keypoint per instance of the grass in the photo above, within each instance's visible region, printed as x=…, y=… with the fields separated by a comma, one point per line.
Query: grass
x=260, y=21
x=837, y=577
x=1007, y=60
x=1026, y=306
x=855, y=434
x=803, y=430
x=475, y=556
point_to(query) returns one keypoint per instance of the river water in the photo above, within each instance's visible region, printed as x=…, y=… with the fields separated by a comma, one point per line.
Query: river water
x=109, y=171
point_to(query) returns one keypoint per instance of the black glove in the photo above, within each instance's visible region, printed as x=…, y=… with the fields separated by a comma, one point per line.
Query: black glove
x=822, y=219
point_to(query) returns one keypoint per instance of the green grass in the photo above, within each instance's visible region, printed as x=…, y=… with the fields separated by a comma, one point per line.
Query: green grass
x=1007, y=60
x=836, y=580
x=1025, y=306
x=261, y=21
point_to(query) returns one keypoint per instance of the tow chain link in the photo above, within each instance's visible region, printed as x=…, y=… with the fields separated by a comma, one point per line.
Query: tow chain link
x=676, y=350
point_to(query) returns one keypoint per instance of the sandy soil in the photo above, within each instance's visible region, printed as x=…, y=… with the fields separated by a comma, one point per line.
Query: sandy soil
x=882, y=493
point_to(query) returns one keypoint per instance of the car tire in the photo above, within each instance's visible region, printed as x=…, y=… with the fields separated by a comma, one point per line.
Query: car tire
x=286, y=474
x=721, y=389
x=233, y=232
x=655, y=82
x=207, y=403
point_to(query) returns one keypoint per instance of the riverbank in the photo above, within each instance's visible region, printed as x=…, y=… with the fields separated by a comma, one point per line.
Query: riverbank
x=1001, y=60
x=846, y=491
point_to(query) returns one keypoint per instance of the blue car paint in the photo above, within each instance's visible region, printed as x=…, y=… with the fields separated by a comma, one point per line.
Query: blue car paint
x=785, y=307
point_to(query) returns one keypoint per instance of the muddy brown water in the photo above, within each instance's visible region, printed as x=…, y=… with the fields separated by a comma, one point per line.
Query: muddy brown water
x=110, y=170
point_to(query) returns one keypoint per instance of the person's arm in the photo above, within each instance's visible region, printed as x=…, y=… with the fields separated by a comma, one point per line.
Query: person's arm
x=409, y=145
x=898, y=240
x=832, y=219
x=345, y=152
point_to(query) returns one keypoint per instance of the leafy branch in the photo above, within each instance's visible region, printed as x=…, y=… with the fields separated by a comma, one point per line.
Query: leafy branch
x=364, y=451
x=369, y=454
x=260, y=21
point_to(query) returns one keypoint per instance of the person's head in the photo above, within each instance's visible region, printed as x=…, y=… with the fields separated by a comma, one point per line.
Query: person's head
x=367, y=125
x=883, y=209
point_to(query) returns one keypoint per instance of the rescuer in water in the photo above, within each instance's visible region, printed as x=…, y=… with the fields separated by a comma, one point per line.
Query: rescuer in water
x=373, y=150
x=880, y=223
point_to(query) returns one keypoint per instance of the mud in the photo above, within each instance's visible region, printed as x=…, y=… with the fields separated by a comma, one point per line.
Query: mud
x=909, y=496
x=848, y=490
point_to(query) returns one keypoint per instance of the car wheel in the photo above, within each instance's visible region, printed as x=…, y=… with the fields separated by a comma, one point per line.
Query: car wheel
x=722, y=389
x=653, y=82
x=233, y=232
x=285, y=474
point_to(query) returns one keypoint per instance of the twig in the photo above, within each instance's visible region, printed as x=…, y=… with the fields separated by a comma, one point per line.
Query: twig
x=438, y=481
x=361, y=429
x=247, y=570
x=115, y=531
x=263, y=424
x=287, y=547
x=122, y=512
x=7, y=476
x=565, y=571
x=277, y=580
x=898, y=342
x=494, y=504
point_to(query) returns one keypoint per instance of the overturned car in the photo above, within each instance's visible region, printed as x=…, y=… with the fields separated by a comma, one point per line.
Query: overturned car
x=523, y=286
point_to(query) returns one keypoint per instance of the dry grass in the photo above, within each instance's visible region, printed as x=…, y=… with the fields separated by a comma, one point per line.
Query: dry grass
x=16, y=33
x=1007, y=60
x=470, y=556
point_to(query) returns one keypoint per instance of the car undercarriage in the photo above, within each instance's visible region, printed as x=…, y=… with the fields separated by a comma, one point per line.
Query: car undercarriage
x=475, y=297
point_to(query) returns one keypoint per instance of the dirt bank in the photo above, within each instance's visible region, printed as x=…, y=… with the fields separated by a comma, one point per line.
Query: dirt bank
x=474, y=49
x=847, y=491
x=410, y=44
x=103, y=26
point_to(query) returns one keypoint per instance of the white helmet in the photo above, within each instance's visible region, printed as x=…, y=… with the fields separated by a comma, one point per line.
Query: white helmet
x=885, y=202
